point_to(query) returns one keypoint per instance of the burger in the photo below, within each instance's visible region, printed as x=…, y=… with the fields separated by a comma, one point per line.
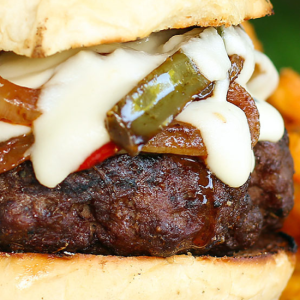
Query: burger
x=139, y=158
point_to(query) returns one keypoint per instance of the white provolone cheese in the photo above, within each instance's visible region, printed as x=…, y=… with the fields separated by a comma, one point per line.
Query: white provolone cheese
x=209, y=54
x=225, y=132
x=271, y=122
x=32, y=72
x=151, y=44
x=223, y=126
x=238, y=42
x=264, y=84
x=260, y=86
x=226, y=135
x=80, y=86
x=8, y=131
x=74, y=103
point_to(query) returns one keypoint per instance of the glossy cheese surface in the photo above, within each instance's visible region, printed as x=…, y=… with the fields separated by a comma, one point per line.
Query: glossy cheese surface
x=80, y=86
x=8, y=131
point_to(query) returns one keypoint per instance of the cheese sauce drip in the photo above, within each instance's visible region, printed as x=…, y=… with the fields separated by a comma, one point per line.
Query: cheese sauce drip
x=80, y=86
x=74, y=105
x=225, y=132
x=8, y=131
x=224, y=127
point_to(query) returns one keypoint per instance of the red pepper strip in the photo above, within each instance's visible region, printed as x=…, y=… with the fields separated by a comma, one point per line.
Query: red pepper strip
x=99, y=155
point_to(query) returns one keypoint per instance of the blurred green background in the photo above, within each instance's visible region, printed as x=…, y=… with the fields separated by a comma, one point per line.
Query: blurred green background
x=280, y=34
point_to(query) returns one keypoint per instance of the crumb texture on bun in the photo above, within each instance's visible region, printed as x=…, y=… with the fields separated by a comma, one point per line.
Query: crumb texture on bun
x=252, y=274
x=39, y=28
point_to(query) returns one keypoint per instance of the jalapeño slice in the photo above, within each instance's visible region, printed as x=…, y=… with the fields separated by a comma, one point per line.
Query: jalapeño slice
x=155, y=102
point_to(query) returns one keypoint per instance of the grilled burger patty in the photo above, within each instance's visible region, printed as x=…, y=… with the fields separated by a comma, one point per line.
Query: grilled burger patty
x=146, y=205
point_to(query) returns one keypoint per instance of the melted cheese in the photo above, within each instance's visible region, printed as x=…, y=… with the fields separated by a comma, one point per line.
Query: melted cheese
x=74, y=103
x=224, y=127
x=79, y=86
x=225, y=132
x=271, y=122
x=208, y=52
x=8, y=131
x=238, y=42
x=265, y=82
x=33, y=72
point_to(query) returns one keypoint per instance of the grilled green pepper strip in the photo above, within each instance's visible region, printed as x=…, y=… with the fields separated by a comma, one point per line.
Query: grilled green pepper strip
x=155, y=102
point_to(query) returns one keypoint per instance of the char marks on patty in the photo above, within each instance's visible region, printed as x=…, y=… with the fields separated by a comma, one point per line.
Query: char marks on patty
x=145, y=205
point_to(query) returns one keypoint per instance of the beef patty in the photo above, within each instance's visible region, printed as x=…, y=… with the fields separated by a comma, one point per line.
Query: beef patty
x=145, y=205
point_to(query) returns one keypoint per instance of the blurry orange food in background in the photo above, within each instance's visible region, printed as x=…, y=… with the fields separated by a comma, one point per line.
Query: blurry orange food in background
x=251, y=32
x=286, y=99
x=295, y=150
x=287, y=96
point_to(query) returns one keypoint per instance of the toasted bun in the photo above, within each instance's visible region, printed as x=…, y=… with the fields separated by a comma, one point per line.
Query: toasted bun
x=255, y=275
x=40, y=28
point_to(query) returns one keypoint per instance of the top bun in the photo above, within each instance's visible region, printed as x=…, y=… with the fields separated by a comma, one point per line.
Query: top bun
x=40, y=28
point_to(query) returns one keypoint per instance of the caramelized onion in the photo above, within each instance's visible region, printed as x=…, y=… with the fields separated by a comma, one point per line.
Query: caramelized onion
x=184, y=139
x=18, y=105
x=177, y=138
x=238, y=96
x=13, y=151
x=155, y=101
x=237, y=63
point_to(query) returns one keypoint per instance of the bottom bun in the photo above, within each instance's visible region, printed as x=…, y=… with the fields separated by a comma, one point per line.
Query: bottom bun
x=261, y=273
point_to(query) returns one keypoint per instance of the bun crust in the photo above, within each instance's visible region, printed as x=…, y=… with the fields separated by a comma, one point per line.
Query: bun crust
x=255, y=275
x=39, y=28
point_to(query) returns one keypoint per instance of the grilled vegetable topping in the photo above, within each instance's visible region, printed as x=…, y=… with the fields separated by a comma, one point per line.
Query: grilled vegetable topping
x=155, y=102
x=177, y=138
x=17, y=103
x=14, y=151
